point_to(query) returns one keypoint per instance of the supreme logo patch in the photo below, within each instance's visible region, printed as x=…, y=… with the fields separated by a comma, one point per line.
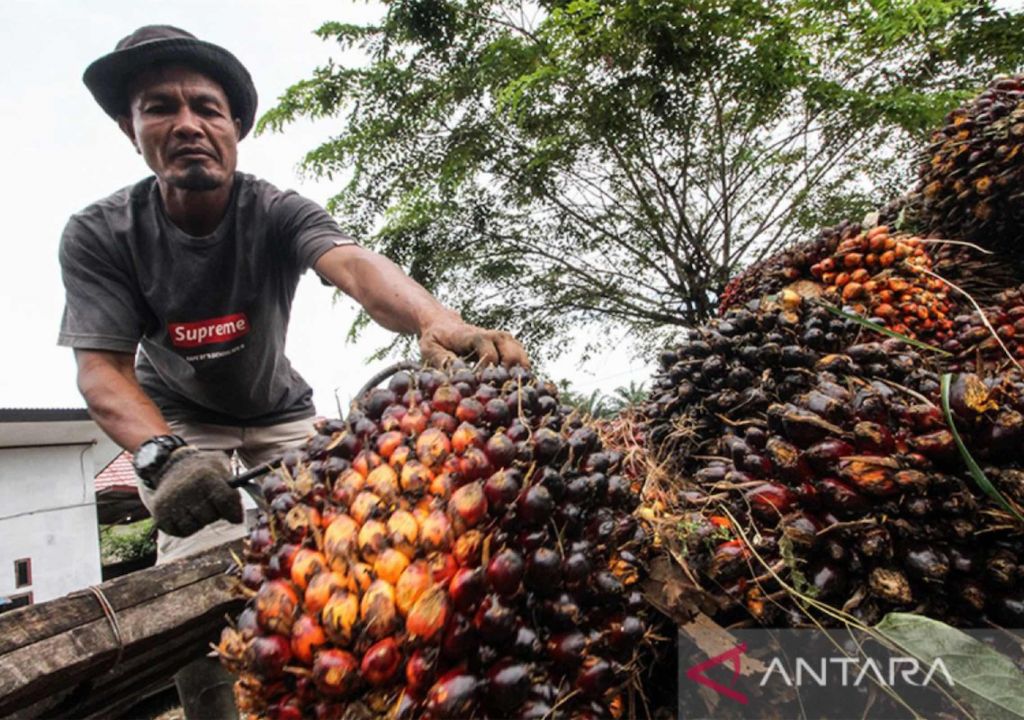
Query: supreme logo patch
x=207, y=332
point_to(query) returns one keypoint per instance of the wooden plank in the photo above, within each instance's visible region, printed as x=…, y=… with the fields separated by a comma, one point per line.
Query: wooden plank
x=30, y=625
x=148, y=630
x=119, y=689
x=65, y=648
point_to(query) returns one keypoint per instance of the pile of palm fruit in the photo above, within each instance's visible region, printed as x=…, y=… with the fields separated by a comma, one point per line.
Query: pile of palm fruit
x=812, y=473
x=460, y=545
x=815, y=462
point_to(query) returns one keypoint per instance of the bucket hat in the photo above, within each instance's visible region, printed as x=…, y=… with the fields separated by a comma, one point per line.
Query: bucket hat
x=108, y=77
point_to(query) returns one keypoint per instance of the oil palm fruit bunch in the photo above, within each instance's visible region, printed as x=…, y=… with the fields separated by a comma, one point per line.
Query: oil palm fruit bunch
x=827, y=471
x=970, y=175
x=981, y=274
x=460, y=546
x=735, y=366
x=978, y=346
x=881, y=276
x=772, y=274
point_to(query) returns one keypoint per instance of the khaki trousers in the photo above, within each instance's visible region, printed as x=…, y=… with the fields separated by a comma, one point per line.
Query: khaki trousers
x=204, y=686
x=255, y=446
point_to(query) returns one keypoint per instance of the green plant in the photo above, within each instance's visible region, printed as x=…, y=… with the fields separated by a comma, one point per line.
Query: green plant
x=547, y=167
x=120, y=543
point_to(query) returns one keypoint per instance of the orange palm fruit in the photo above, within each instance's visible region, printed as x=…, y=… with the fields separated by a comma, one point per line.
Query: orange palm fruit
x=365, y=506
x=321, y=588
x=389, y=565
x=339, y=617
x=414, y=581
x=366, y=461
x=436, y=532
x=305, y=565
x=403, y=532
x=433, y=448
x=414, y=422
x=307, y=638
x=340, y=540
x=383, y=482
x=466, y=436
x=429, y=615
x=442, y=485
x=469, y=504
x=468, y=548
x=388, y=442
x=377, y=609
x=277, y=606
x=416, y=477
x=401, y=455
x=373, y=539
x=446, y=399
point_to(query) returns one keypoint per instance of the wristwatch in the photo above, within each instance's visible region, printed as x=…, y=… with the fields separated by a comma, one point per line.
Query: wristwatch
x=152, y=455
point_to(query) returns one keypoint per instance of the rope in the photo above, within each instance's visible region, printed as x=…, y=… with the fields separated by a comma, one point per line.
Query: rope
x=115, y=626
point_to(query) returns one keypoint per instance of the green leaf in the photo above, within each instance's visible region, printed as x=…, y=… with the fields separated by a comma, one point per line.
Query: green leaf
x=987, y=681
x=976, y=472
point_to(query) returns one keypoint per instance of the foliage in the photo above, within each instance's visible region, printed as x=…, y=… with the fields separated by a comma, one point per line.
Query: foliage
x=599, y=405
x=548, y=166
x=120, y=543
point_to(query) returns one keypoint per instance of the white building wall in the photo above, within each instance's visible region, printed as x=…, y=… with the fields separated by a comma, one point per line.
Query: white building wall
x=48, y=514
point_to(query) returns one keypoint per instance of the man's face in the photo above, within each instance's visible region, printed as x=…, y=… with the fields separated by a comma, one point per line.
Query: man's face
x=180, y=121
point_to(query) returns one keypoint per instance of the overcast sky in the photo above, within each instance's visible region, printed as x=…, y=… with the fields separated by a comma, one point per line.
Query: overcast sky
x=61, y=152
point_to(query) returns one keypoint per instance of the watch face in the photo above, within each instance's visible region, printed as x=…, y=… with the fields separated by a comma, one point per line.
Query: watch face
x=147, y=454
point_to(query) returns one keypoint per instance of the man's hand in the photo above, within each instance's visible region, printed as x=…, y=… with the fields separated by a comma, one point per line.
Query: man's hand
x=450, y=338
x=192, y=491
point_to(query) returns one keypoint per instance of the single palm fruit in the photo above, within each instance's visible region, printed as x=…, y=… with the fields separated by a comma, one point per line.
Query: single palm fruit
x=307, y=637
x=433, y=447
x=321, y=588
x=414, y=581
x=306, y=565
x=377, y=609
x=277, y=606
x=267, y=655
x=339, y=617
x=383, y=482
x=403, y=533
x=390, y=565
x=381, y=662
x=335, y=672
x=428, y=615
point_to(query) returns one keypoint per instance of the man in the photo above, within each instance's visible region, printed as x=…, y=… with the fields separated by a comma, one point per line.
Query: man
x=179, y=289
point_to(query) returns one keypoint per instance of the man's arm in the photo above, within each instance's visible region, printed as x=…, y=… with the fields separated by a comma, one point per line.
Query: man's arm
x=115, y=399
x=400, y=304
x=191, y=486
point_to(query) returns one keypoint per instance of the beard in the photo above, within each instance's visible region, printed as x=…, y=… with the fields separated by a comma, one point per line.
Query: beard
x=196, y=178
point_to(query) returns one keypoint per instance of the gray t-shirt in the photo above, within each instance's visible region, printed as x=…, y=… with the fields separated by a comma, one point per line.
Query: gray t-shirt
x=208, y=315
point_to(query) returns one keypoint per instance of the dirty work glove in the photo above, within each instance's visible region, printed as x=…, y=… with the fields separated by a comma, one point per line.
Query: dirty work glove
x=192, y=491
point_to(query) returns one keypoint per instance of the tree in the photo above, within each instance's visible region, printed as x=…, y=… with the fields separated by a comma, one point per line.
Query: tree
x=545, y=167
